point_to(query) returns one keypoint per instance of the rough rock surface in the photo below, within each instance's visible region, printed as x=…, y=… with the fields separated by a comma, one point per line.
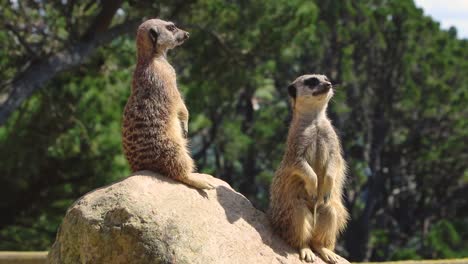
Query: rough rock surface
x=148, y=218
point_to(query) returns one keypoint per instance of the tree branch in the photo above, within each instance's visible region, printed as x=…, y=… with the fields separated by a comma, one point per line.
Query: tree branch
x=103, y=19
x=42, y=71
x=21, y=40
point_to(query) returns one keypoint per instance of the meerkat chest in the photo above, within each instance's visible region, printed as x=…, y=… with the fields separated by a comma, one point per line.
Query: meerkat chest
x=318, y=147
x=164, y=72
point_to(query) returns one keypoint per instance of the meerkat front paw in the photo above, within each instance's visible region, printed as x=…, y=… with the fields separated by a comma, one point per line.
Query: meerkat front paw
x=307, y=255
x=184, y=127
x=311, y=192
x=311, y=187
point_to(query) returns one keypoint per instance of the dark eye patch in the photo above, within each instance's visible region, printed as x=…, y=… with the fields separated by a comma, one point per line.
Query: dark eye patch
x=171, y=27
x=311, y=82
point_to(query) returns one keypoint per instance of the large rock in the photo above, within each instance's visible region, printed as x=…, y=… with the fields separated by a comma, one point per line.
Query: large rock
x=147, y=218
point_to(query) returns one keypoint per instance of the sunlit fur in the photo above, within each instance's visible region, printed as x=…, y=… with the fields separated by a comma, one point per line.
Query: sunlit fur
x=155, y=118
x=310, y=177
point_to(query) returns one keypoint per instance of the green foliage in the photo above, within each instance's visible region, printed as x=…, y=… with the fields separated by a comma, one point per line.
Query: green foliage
x=58, y=144
x=33, y=234
x=405, y=254
x=399, y=107
x=447, y=239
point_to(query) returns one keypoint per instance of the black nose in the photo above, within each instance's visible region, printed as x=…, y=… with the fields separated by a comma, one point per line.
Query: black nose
x=187, y=35
x=328, y=84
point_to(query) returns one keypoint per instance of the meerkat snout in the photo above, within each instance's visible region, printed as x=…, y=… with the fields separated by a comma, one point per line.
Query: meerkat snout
x=322, y=88
x=182, y=36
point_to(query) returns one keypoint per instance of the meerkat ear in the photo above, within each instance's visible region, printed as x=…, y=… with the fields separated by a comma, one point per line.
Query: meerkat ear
x=292, y=91
x=153, y=35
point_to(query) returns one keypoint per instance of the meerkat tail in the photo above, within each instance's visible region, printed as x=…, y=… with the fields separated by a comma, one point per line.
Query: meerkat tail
x=198, y=183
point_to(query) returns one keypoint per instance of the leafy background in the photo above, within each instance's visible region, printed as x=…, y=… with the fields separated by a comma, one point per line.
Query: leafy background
x=400, y=109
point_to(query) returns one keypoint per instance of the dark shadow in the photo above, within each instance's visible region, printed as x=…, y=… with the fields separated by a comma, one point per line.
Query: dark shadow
x=201, y=192
x=236, y=206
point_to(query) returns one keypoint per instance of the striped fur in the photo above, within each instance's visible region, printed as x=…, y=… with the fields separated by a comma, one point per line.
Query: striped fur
x=155, y=117
x=306, y=207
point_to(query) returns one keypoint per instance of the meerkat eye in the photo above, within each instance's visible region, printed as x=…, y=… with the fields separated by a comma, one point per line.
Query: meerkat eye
x=171, y=28
x=311, y=82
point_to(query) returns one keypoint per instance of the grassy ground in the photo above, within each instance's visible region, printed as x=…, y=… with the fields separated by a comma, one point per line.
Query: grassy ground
x=18, y=257
x=435, y=261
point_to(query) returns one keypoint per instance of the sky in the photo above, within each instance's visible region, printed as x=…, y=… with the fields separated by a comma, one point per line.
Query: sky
x=448, y=13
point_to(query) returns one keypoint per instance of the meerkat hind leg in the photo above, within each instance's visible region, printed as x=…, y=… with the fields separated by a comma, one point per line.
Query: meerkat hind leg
x=326, y=230
x=303, y=222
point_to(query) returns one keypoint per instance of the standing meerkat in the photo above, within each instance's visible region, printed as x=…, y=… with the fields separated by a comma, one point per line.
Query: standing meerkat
x=306, y=207
x=155, y=119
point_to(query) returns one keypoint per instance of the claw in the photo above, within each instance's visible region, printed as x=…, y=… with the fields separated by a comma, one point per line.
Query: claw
x=307, y=255
x=328, y=255
x=210, y=186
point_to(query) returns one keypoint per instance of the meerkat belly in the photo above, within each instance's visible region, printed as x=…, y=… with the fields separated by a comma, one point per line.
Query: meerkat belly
x=175, y=128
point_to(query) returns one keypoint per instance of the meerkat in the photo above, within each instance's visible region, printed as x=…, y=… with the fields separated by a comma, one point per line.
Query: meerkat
x=306, y=207
x=155, y=119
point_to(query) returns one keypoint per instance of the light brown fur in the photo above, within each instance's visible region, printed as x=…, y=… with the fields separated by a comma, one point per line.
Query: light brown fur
x=306, y=207
x=155, y=117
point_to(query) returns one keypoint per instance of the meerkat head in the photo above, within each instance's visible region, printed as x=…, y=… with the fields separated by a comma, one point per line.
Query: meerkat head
x=156, y=36
x=310, y=91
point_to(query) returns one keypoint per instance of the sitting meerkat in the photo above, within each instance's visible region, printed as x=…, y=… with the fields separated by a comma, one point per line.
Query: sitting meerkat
x=306, y=207
x=155, y=119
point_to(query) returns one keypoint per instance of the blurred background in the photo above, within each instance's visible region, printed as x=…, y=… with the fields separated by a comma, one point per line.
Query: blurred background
x=400, y=108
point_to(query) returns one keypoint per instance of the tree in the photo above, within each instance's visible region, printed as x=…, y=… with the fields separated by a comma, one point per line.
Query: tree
x=399, y=109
